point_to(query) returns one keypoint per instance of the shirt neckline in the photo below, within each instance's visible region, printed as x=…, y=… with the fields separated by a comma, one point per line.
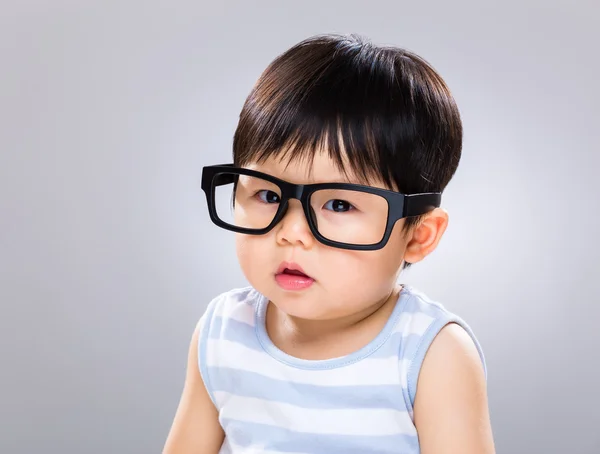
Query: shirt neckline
x=331, y=363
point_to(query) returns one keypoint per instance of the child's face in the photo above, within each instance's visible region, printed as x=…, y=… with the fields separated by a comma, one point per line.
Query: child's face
x=345, y=281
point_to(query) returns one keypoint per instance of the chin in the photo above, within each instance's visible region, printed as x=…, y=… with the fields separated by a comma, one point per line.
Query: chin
x=306, y=305
x=301, y=304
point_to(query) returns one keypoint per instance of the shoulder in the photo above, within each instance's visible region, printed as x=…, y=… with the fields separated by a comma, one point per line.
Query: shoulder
x=229, y=319
x=453, y=353
x=243, y=295
x=451, y=404
x=426, y=324
x=237, y=304
x=229, y=314
x=445, y=373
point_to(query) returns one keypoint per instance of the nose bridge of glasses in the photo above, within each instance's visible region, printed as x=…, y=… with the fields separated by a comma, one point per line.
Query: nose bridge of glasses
x=294, y=191
x=300, y=193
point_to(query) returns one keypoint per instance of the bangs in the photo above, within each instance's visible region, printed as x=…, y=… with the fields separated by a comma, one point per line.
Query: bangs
x=351, y=147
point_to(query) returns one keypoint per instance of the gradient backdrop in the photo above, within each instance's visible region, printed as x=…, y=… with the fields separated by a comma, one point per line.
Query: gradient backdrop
x=109, y=110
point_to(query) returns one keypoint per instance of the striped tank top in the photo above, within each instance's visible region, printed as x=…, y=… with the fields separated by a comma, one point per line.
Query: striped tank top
x=270, y=402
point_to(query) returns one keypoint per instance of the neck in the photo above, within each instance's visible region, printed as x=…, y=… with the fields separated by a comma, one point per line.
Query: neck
x=312, y=331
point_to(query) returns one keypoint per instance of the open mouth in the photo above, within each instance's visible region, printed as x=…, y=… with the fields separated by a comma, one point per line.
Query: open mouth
x=293, y=272
x=291, y=276
x=291, y=269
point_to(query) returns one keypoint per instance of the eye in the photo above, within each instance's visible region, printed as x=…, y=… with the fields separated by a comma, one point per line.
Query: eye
x=339, y=206
x=268, y=196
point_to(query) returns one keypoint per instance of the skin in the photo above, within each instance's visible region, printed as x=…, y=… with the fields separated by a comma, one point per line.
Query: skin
x=351, y=299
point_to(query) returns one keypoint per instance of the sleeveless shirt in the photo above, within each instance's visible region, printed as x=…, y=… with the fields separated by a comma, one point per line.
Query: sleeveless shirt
x=270, y=402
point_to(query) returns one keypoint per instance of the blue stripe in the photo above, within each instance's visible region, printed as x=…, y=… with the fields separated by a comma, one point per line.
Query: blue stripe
x=250, y=384
x=265, y=437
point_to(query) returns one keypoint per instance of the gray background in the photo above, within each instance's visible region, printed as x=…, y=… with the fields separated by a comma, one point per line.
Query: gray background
x=109, y=110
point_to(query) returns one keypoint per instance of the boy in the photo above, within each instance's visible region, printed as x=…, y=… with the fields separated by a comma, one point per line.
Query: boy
x=342, y=152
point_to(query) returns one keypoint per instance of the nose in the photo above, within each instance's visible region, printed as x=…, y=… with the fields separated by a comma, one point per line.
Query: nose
x=293, y=228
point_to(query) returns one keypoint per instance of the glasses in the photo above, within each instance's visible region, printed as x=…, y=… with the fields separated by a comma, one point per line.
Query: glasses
x=342, y=215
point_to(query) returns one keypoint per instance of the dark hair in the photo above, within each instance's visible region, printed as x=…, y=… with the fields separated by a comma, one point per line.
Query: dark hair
x=382, y=112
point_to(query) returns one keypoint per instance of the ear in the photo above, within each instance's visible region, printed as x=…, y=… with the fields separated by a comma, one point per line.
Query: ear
x=426, y=235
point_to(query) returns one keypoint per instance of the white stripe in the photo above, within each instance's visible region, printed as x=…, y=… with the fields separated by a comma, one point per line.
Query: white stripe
x=369, y=371
x=404, y=365
x=235, y=310
x=413, y=323
x=361, y=422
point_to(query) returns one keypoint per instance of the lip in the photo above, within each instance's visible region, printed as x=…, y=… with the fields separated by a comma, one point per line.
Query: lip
x=292, y=282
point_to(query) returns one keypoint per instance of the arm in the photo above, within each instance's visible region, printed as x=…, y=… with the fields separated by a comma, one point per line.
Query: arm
x=196, y=427
x=451, y=406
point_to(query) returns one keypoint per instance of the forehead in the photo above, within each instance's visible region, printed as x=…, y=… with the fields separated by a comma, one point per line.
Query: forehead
x=318, y=168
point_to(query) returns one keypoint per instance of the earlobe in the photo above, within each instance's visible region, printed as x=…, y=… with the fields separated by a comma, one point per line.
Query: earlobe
x=426, y=236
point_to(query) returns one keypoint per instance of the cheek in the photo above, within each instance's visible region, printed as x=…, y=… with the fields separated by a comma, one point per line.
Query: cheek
x=251, y=255
x=372, y=266
x=368, y=272
x=386, y=260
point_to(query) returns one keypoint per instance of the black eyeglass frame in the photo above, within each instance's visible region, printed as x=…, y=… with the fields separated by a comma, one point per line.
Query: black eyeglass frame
x=399, y=205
